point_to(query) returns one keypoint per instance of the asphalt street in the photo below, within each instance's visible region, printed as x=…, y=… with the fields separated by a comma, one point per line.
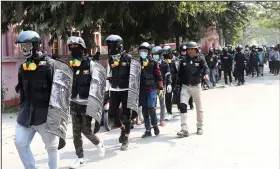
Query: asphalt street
x=241, y=131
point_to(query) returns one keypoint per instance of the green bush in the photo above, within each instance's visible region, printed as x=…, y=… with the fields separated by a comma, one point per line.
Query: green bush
x=3, y=94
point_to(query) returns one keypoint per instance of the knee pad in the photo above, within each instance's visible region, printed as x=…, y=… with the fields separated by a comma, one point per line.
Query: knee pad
x=183, y=108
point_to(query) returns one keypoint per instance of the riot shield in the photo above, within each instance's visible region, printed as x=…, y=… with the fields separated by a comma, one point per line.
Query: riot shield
x=134, y=85
x=96, y=92
x=59, y=105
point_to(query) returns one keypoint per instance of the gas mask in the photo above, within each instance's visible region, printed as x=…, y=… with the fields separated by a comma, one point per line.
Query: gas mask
x=26, y=49
x=76, y=52
x=116, y=59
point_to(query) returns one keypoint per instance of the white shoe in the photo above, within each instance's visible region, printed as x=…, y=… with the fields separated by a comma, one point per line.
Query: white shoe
x=168, y=117
x=100, y=149
x=78, y=163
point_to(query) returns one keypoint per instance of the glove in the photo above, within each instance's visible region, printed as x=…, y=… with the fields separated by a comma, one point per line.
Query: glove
x=160, y=94
x=177, y=89
x=169, y=89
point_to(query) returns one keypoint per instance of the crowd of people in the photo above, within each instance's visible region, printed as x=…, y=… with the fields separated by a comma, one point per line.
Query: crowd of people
x=51, y=90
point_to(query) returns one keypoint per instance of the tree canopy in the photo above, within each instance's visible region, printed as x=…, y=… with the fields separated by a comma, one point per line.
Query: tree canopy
x=152, y=21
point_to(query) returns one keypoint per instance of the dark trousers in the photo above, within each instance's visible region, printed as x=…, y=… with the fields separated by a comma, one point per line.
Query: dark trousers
x=270, y=66
x=227, y=72
x=220, y=73
x=116, y=98
x=169, y=98
x=255, y=67
x=168, y=102
x=149, y=114
x=240, y=74
x=82, y=124
x=275, y=67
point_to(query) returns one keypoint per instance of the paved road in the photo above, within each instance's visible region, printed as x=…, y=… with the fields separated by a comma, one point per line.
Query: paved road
x=241, y=132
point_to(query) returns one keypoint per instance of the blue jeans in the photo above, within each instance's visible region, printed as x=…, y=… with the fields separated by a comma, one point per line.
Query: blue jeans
x=213, y=76
x=148, y=103
x=23, y=138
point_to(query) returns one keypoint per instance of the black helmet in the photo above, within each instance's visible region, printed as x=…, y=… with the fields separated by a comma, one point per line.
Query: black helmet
x=225, y=49
x=29, y=37
x=115, y=44
x=175, y=53
x=145, y=45
x=183, y=47
x=156, y=50
x=76, y=40
x=192, y=45
x=167, y=49
x=239, y=48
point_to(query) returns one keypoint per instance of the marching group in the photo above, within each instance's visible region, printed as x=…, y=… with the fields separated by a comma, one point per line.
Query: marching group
x=50, y=90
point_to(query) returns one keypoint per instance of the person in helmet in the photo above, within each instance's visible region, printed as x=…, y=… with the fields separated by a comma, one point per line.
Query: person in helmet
x=227, y=62
x=218, y=52
x=272, y=59
x=170, y=78
x=212, y=62
x=277, y=62
x=119, y=64
x=247, y=56
x=176, y=97
x=36, y=77
x=240, y=61
x=165, y=72
x=83, y=68
x=151, y=85
x=261, y=56
x=254, y=61
x=189, y=84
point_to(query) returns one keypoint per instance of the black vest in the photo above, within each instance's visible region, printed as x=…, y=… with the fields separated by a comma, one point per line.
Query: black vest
x=148, y=76
x=37, y=87
x=191, y=70
x=120, y=73
x=81, y=80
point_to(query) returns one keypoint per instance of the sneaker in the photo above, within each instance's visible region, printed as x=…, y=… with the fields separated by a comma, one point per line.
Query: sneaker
x=238, y=84
x=100, y=149
x=168, y=116
x=183, y=133
x=162, y=123
x=147, y=134
x=199, y=131
x=121, y=138
x=124, y=146
x=156, y=130
x=78, y=163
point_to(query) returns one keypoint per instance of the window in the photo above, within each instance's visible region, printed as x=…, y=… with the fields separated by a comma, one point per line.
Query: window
x=55, y=48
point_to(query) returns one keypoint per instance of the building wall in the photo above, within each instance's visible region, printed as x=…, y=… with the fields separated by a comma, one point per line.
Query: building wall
x=11, y=59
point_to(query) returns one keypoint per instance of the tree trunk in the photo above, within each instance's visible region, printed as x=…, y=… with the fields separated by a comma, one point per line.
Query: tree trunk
x=88, y=38
x=177, y=42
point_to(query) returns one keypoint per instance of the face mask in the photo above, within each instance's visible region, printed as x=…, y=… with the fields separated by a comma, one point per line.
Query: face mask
x=76, y=52
x=143, y=55
x=156, y=57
